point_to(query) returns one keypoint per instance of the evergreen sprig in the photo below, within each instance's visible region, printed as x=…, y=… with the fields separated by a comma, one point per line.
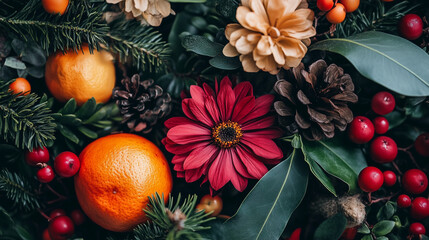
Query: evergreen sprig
x=18, y=190
x=374, y=15
x=177, y=220
x=25, y=121
x=83, y=23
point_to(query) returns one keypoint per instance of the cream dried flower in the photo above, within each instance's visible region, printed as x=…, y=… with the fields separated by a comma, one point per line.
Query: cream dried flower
x=148, y=11
x=272, y=34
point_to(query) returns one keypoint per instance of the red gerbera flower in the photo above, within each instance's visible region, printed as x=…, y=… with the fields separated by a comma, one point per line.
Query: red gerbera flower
x=226, y=136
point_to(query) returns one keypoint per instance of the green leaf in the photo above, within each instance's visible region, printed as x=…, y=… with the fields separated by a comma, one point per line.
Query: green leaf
x=386, y=212
x=367, y=237
x=380, y=57
x=34, y=55
x=5, y=219
x=382, y=238
x=338, y=157
x=66, y=132
x=69, y=107
x=226, y=63
x=23, y=233
x=383, y=228
x=88, y=132
x=266, y=210
x=395, y=119
x=14, y=63
x=87, y=109
x=202, y=46
x=364, y=229
x=331, y=228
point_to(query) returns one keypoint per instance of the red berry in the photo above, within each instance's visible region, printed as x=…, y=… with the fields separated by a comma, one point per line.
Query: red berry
x=57, y=212
x=422, y=144
x=295, y=234
x=383, y=149
x=325, y=5
x=417, y=229
x=414, y=181
x=78, y=217
x=370, y=179
x=349, y=234
x=61, y=227
x=383, y=103
x=45, y=235
x=389, y=178
x=38, y=155
x=66, y=164
x=381, y=125
x=361, y=130
x=411, y=26
x=403, y=201
x=420, y=208
x=46, y=174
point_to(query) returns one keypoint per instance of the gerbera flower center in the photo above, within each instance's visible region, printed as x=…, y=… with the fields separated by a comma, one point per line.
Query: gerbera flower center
x=227, y=134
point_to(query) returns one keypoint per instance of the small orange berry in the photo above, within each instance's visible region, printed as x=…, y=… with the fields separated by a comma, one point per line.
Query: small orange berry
x=20, y=86
x=350, y=5
x=55, y=6
x=337, y=14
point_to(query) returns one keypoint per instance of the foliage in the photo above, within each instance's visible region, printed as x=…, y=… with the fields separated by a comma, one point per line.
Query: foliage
x=25, y=121
x=18, y=190
x=176, y=220
x=380, y=57
x=331, y=228
x=270, y=204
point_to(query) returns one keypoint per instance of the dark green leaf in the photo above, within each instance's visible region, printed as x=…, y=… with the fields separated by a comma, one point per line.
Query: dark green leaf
x=87, y=109
x=69, y=107
x=318, y=172
x=66, y=132
x=23, y=233
x=227, y=8
x=367, y=237
x=382, y=238
x=338, y=157
x=267, y=208
x=386, y=212
x=34, y=55
x=384, y=63
x=14, y=63
x=395, y=119
x=37, y=72
x=424, y=237
x=383, y=228
x=18, y=46
x=364, y=229
x=88, y=132
x=201, y=45
x=331, y=228
x=296, y=141
x=5, y=219
x=70, y=119
x=225, y=63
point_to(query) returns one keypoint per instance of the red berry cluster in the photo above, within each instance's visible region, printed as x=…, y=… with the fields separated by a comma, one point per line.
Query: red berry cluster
x=61, y=226
x=411, y=26
x=66, y=164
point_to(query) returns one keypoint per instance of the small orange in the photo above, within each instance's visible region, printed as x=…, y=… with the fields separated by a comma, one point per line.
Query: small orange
x=337, y=14
x=350, y=5
x=55, y=6
x=80, y=75
x=20, y=86
x=211, y=204
x=117, y=175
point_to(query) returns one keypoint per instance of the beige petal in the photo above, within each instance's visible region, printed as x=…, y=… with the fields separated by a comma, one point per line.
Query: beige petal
x=278, y=55
x=113, y=1
x=230, y=51
x=279, y=8
x=306, y=41
x=141, y=4
x=238, y=34
x=129, y=5
x=243, y=46
x=259, y=9
x=298, y=24
x=163, y=7
x=245, y=3
x=264, y=46
x=292, y=47
x=266, y=63
x=303, y=4
x=230, y=28
x=136, y=12
x=152, y=20
x=248, y=63
x=292, y=62
x=251, y=20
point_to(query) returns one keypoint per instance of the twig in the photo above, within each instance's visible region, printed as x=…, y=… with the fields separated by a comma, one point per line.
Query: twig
x=44, y=214
x=397, y=168
x=410, y=155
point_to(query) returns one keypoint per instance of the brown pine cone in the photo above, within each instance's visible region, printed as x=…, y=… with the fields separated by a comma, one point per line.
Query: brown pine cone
x=141, y=103
x=315, y=101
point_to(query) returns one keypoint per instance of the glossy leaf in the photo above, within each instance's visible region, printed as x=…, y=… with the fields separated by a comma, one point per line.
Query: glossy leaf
x=201, y=45
x=380, y=57
x=331, y=228
x=266, y=210
x=338, y=157
x=383, y=228
x=14, y=63
x=225, y=63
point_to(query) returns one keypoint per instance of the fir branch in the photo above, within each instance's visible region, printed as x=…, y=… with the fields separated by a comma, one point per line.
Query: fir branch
x=374, y=15
x=129, y=38
x=25, y=121
x=18, y=190
x=177, y=220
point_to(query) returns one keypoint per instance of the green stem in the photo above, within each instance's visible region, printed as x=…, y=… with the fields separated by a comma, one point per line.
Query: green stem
x=133, y=45
x=46, y=24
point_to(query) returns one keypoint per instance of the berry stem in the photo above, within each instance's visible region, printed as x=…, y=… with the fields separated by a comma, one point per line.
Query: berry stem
x=55, y=192
x=44, y=214
x=397, y=168
x=410, y=155
x=384, y=198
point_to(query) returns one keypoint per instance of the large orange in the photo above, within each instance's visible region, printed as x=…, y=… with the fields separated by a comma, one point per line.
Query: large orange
x=117, y=174
x=80, y=75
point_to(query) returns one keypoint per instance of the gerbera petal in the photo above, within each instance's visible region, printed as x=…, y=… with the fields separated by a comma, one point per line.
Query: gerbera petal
x=186, y=110
x=178, y=160
x=262, y=106
x=200, y=112
x=175, y=121
x=195, y=174
x=208, y=90
x=213, y=109
x=242, y=108
x=263, y=147
x=242, y=90
x=197, y=93
x=239, y=182
x=270, y=133
x=255, y=167
x=239, y=165
x=200, y=156
x=189, y=133
x=182, y=148
x=257, y=124
x=225, y=99
x=220, y=169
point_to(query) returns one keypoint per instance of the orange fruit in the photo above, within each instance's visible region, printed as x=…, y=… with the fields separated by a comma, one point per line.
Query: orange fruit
x=80, y=75
x=337, y=14
x=350, y=5
x=20, y=86
x=117, y=175
x=55, y=6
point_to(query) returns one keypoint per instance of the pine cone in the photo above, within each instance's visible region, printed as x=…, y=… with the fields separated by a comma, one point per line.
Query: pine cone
x=141, y=103
x=315, y=102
